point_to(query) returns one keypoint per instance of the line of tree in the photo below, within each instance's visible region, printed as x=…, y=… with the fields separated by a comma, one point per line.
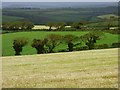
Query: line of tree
x=61, y=25
x=49, y=43
x=17, y=25
x=57, y=25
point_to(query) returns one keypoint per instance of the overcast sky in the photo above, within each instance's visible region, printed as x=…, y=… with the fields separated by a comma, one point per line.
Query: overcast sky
x=60, y=0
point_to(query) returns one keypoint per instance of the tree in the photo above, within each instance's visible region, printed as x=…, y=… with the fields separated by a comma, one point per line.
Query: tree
x=7, y=25
x=17, y=25
x=52, y=41
x=70, y=46
x=77, y=25
x=38, y=44
x=60, y=25
x=18, y=45
x=50, y=24
x=108, y=26
x=69, y=39
x=91, y=38
x=57, y=25
x=26, y=25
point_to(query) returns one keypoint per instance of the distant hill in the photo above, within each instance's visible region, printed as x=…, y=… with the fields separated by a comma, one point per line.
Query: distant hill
x=108, y=16
x=42, y=16
x=46, y=5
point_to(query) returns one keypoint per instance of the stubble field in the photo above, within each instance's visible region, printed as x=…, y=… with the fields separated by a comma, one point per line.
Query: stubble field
x=85, y=69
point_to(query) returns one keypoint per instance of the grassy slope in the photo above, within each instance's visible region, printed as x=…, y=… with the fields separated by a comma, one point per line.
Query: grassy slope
x=107, y=16
x=103, y=24
x=8, y=40
x=52, y=15
x=11, y=18
x=85, y=69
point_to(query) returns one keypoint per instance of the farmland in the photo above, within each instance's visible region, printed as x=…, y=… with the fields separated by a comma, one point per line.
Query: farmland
x=43, y=16
x=85, y=69
x=41, y=27
x=7, y=40
x=59, y=45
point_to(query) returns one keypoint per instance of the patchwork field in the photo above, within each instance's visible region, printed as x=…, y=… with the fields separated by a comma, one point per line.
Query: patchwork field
x=43, y=16
x=7, y=40
x=85, y=69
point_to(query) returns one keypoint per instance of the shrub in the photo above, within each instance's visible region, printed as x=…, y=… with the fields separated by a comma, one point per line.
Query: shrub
x=18, y=45
x=52, y=41
x=39, y=45
x=91, y=38
x=69, y=39
x=63, y=50
x=81, y=48
x=116, y=45
x=102, y=46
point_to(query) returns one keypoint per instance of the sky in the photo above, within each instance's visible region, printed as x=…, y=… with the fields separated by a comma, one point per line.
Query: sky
x=60, y=0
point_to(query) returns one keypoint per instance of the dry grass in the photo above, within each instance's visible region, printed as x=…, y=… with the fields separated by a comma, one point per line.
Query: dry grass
x=85, y=69
x=42, y=27
x=46, y=27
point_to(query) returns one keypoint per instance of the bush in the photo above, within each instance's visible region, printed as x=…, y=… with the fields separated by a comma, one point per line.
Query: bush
x=52, y=41
x=63, y=50
x=18, y=45
x=102, y=46
x=116, y=45
x=81, y=48
x=38, y=44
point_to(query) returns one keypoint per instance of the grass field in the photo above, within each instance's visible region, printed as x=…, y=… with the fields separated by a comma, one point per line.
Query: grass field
x=85, y=69
x=11, y=18
x=108, y=16
x=42, y=16
x=7, y=40
x=103, y=24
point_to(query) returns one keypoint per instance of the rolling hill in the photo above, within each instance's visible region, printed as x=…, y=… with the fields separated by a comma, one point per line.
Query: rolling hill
x=85, y=69
x=43, y=16
x=7, y=40
x=108, y=16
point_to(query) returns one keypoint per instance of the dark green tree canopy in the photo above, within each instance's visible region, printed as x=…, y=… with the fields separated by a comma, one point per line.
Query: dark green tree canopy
x=39, y=45
x=17, y=25
x=91, y=38
x=57, y=25
x=18, y=45
x=52, y=41
x=70, y=39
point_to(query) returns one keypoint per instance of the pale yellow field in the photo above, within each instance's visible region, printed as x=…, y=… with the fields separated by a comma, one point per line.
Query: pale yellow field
x=82, y=69
x=45, y=27
x=42, y=27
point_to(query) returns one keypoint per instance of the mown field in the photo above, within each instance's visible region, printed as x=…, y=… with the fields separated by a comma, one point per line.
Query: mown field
x=7, y=40
x=81, y=69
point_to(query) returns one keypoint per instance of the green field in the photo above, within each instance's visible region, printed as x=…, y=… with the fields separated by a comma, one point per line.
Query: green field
x=108, y=16
x=43, y=16
x=7, y=40
x=81, y=69
x=11, y=18
x=103, y=24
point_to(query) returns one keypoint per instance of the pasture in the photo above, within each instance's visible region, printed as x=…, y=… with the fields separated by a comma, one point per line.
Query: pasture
x=81, y=69
x=43, y=16
x=7, y=40
x=108, y=16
